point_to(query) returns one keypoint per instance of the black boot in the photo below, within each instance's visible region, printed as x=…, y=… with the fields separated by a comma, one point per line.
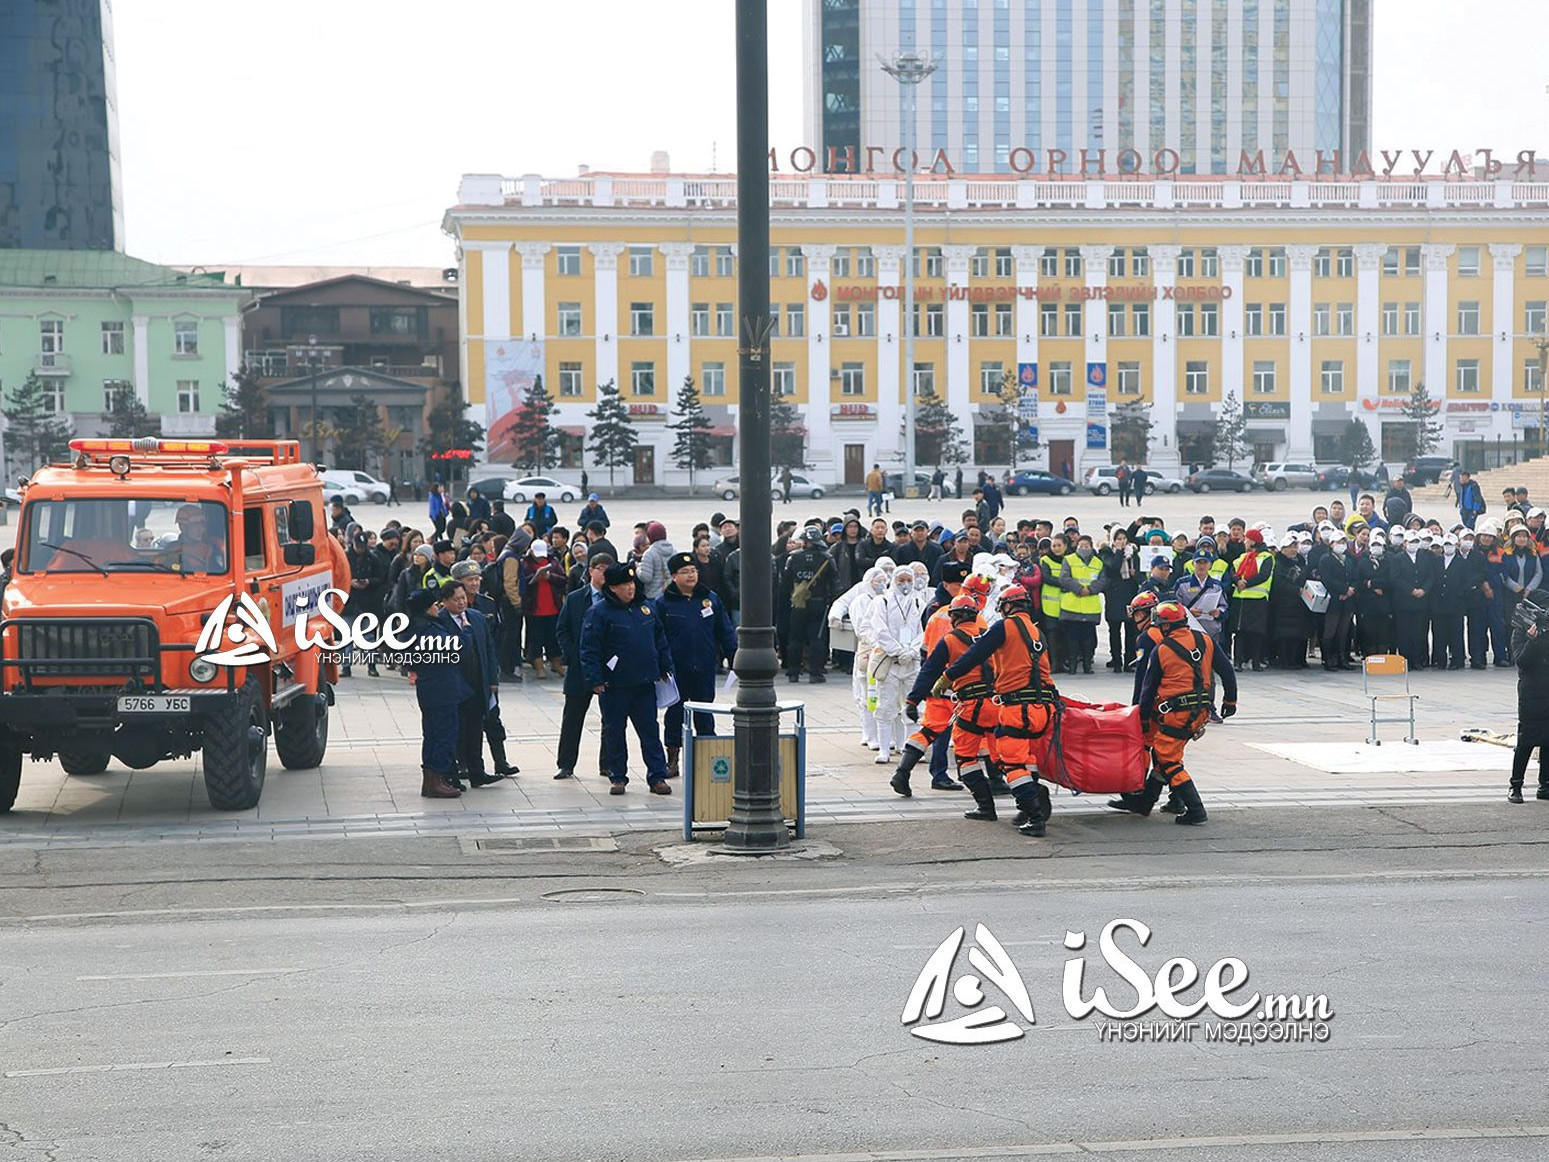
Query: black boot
x=1174, y=804
x=1140, y=802
x=900, y=780
x=503, y=768
x=1035, y=810
x=1514, y=795
x=1195, y=812
x=998, y=785
x=979, y=787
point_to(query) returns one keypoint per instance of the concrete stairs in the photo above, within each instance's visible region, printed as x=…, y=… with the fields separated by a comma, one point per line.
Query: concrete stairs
x=1531, y=474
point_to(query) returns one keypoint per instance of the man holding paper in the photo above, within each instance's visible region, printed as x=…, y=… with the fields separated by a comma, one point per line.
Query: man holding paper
x=700, y=636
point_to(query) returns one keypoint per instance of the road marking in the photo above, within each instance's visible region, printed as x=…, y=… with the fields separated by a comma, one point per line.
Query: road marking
x=131, y=1066
x=195, y=973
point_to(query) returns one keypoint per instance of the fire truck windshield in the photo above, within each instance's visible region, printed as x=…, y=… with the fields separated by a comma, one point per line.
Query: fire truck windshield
x=106, y=534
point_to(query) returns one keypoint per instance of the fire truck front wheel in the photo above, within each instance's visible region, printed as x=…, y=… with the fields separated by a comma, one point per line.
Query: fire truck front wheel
x=10, y=774
x=236, y=751
x=84, y=760
x=301, y=733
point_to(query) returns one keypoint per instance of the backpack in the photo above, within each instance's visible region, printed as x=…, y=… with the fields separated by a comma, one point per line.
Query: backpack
x=489, y=582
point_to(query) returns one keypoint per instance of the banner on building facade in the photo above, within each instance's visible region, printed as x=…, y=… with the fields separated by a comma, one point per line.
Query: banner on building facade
x=510, y=367
x=1096, y=406
x=1027, y=399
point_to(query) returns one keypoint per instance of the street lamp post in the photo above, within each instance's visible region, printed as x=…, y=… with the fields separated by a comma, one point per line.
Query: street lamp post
x=756, y=825
x=909, y=68
x=313, y=364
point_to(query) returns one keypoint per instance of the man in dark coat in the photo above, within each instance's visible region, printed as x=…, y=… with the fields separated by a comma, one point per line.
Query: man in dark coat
x=1530, y=652
x=920, y=547
x=807, y=589
x=701, y=637
x=1288, y=619
x=438, y=689
x=624, y=653
x=1340, y=574
x=476, y=666
x=470, y=576
x=578, y=695
x=1456, y=588
x=368, y=588
x=1411, y=576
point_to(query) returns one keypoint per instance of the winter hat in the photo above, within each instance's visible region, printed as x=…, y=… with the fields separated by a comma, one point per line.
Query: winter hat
x=655, y=531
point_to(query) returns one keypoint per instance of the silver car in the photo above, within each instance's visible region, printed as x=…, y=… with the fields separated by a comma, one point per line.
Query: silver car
x=730, y=487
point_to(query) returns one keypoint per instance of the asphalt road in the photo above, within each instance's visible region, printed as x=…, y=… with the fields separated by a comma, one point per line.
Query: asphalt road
x=389, y=1000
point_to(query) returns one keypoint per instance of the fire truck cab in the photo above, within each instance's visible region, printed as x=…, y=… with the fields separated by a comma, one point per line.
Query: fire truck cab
x=123, y=556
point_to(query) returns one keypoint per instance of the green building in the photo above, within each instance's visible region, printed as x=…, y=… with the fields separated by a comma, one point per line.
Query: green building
x=87, y=323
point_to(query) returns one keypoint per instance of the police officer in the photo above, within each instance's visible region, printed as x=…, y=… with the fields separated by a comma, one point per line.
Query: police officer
x=468, y=575
x=1027, y=697
x=439, y=689
x=700, y=636
x=476, y=664
x=440, y=570
x=623, y=653
x=808, y=587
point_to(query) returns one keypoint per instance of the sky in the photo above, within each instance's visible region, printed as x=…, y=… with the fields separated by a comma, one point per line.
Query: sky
x=335, y=132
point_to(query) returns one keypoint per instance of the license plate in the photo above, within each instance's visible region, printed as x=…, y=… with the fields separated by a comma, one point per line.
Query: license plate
x=154, y=704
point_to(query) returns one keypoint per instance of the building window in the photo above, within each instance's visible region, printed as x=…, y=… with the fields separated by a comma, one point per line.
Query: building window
x=699, y=319
x=567, y=260
x=1253, y=320
x=1196, y=377
x=1140, y=315
x=1536, y=260
x=1116, y=264
x=1333, y=376
x=1468, y=262
x=1116, y=320
x=924, y=379
x=396, y=321
x=1468, y=318
x=1140, y=262
x=642, y=319
x=935, y=264
x=839, y=321
x=569, y=318
x=1186, y=264
x=1344, y=262
x=1073, y=320
x=839, y=265
x=934, y=316
x=784, y=381
x=1129, y=378
x=979, y=264
x=712, y=379
x=1344, y=319
x=1323, y=263
x=1209, y=263
x=641, y=261
x=1532, y=377
x=991, y=375
x=1004, y=266
x=51, y=339
x=1411, y=318
x=1398, y=376
x=113, y=339
x=1048, y=320
x=642, y=378
x=795, y=262
x=1209, y=319
x=1533, y=315
x=1263, y=377
x=979, y=320
x=1468, y=376
x=1277, y=319
x=699, y=262
x=54, y=397
x=725, y=262
x=725, y=319
x=865, y=263
x=1390, y=262
x=115, y=391
x=1277, y=262
x=1412, y=260
x=1073, y=265
x=1390, y=318
x=1321, y=319
x=1059, y=378
x=795, y=320
x=852, y=379
x=569, y=379
x=187, y=395
x=866, y=320
x=1049, y=263
x=1254, y=267
x=1185, y=320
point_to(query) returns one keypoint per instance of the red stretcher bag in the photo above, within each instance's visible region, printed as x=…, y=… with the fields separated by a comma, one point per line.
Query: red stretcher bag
x=1095, y=749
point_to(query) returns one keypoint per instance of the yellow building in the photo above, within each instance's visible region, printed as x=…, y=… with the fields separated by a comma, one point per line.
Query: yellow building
x=1311, y=302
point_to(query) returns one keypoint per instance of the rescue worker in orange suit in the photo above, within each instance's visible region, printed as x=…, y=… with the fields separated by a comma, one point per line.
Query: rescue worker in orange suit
x=1146, y=638
x=1175, y=702
x=954, y=628
x=937, y=727
x=1026, y=697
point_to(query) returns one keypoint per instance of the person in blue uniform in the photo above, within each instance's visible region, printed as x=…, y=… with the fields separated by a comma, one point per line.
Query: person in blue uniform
x=624, y=653
x=476, y=665
x=439, y=689
x=700, y=636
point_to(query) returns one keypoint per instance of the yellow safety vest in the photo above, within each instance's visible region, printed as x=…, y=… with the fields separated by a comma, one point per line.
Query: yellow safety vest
x=1083, y=573
x=1259, y=590
x=1218, y=567
x=1050, y=592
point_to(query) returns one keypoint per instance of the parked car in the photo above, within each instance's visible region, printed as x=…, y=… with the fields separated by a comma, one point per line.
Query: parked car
x=366, y=485
x=1103, y=480
x=1219, y=480
x=1425, y=470
x=894, y=481
x=525, y=488
x=1277, y=476
x=1339, y=477
x=730, y=487
x=351, y=494
x=492, y=487
x=1031, y=481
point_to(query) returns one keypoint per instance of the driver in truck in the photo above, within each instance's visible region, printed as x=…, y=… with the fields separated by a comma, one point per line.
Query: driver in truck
x=195, y=549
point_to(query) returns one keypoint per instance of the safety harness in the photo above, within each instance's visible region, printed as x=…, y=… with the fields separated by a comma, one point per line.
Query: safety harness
x=1195, y=701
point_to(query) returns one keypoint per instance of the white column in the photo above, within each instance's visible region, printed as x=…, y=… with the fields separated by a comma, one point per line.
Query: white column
x=497, y=292
x=1026, y=321
x=1233, y=262
x=535, y=317
x=1368, y=325
x=1298, y=440
x=605, y=309
x=1503, y=325
x=890, y=341
x=676, y=327
x=142, y=358
x=1094, y=262
x=958, y=371
x=1164, y=360
x=1437, y=320
x=819, y=418
x=233, y=327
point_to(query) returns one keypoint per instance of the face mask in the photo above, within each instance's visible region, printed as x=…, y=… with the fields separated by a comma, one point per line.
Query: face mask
x=1449, y=550
x=1340, y=548
x=1468, y=546
x=904, y=584
x=1084, y=554
x=1326, y=536
x=1377, y=550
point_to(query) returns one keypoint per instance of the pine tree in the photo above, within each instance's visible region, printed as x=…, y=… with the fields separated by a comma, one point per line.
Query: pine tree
x=1355, y=446
x=534, y=439
x=938, y=435
x=126, y=416
x=1132, y=426
x=34, y=435
x=787, y=436
x=691, y=442
x=613, y=438
x=1231, y=433
x=1024, y=430
x=244, y=413
x=359, y=438
x=1424, y=429
x=447, y=427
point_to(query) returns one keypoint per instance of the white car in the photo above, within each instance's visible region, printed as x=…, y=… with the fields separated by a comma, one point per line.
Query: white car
x=364, y=485
x=730, y=487
x=525, y=488
x=1103, y=479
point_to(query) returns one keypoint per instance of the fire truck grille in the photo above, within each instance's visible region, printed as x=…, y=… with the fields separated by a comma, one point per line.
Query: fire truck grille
x=82, y=647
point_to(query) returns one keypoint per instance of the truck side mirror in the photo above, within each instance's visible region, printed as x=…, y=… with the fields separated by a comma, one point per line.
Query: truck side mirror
x=300, y=553
x=299, y=519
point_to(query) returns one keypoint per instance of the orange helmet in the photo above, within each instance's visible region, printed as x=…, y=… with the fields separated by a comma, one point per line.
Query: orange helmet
x=1014, y=598
x=1169, y=614
x=978, y=586
x=963, y=608
x=1143, y=603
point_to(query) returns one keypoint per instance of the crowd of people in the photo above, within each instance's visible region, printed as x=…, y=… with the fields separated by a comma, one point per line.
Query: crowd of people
x=859, y=597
